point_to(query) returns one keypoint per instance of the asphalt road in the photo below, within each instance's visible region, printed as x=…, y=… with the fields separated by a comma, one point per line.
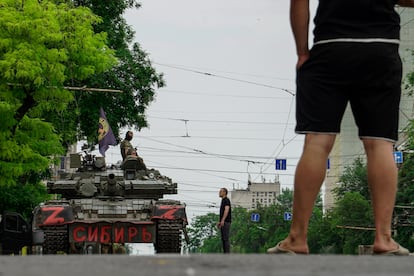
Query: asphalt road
x=207, y=264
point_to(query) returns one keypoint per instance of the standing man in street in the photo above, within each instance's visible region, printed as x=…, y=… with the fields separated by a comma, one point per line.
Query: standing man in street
x=225, y=220
x=354, y=60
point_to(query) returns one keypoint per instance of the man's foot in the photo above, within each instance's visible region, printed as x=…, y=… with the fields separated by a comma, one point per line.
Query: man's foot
x=278, y=249
x=399, y=251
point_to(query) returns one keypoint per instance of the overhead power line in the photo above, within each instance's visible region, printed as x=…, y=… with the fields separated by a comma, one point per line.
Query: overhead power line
x=228, y=78
x=222, y=171
x=236, y=73
x=220, y=121
x=223, y=95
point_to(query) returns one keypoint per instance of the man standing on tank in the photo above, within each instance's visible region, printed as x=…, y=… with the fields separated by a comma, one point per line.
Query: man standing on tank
x=126, y=144
x=354, y=59
x=225, y=220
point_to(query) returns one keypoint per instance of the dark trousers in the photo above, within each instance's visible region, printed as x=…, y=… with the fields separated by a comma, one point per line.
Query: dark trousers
x=225, y=237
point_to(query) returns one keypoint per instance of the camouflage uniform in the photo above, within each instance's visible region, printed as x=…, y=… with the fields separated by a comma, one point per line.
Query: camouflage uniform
x=125, y=146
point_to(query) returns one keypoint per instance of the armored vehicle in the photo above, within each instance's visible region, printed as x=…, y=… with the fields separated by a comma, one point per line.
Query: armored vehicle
x=101, y=209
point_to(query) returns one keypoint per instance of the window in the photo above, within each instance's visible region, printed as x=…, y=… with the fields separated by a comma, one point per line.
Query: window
x=62, y=162
x=14, y=223
x=10, y=223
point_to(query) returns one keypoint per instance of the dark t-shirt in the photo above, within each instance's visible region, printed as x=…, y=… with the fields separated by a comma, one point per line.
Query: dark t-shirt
x=225, y=202
x=356, y=19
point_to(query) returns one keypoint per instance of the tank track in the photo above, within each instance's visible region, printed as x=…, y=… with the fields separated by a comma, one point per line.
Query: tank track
x=56, y=240
x=168, y=236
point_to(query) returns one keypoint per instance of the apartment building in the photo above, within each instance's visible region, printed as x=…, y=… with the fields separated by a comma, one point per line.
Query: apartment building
x=263, y=194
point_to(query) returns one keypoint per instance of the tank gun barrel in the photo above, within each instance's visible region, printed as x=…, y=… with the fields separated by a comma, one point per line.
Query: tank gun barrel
x=112, y=187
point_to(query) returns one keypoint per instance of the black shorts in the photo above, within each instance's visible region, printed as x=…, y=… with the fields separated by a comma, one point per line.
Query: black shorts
x=367, y=75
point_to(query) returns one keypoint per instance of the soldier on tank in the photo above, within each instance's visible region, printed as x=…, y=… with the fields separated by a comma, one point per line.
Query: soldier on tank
x=126, y=144
x=133, y=161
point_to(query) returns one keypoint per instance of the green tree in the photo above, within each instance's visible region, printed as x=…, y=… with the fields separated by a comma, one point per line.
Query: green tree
x=404, y=211
x=352, y=216
x=286, y=198
x=133, y=75
x=247, y=236
x=42, y=47
x=354, y=179
x=22, y=197
x=323, y=235
x=203, y=234
x=273, y=220
x=339, y=231
x=405, y=194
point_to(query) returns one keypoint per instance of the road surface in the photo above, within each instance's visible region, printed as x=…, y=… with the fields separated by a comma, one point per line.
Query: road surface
x=203, y=265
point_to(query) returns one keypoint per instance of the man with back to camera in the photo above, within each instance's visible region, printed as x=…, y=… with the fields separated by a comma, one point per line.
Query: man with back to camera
x=354, y=59
x=225, y=220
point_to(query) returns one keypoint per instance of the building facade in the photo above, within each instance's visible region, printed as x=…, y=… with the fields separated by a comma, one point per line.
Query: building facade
x=256, y=194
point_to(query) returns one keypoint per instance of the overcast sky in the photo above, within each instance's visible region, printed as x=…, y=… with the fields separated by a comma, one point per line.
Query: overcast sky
x=228, y=108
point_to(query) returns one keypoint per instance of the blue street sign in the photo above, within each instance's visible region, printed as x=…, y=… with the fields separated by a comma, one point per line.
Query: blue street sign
x=398, y=157
x=255, y=217
x=328, y=164
x=280, y=164
x=287, y=216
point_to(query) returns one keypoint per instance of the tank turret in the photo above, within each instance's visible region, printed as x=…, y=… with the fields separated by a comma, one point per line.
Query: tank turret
x=93, y=179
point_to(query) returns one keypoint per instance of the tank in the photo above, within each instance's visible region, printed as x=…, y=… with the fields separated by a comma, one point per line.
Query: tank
x=99, y=209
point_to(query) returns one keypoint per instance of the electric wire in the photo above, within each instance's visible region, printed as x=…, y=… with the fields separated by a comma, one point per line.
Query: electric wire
x=228, y=78
x=221, y=95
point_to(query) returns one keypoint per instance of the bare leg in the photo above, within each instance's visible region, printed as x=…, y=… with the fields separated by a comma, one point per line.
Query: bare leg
x=382, y=179
x=309, y=176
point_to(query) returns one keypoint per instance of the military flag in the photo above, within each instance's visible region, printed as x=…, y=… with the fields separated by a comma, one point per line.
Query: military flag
x=105, y=135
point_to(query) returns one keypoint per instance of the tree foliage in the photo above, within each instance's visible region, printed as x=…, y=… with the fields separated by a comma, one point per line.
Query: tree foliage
x=404, y=211
x=203, y=228
x=42, y=47
x=133, y=75
x=247, y=236
x=22, y=198
x=353, y=218
x=405, y=194
x=354, y=179
x=337, y=231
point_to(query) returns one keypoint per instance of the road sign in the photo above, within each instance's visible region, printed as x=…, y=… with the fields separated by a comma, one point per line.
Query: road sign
x=287, y=216
x=398, y=157
x=328, y=164
x=280, y=164
x=255, y=217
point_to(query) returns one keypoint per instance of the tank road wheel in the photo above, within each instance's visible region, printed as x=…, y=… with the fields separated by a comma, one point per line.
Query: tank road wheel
x=56, y=240
x=168, y=236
